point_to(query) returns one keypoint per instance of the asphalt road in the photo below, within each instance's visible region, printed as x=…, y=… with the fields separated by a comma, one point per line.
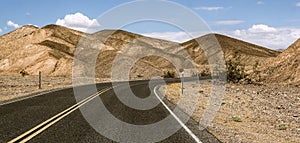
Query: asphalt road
x=20, y=117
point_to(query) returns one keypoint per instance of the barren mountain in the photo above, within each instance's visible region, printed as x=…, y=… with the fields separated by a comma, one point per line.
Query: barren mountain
x=48, y=49
x=285, y=68
x=51, y=50
x=233, y=49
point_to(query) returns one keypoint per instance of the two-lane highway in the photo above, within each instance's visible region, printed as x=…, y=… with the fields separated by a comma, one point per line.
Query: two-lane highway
x=55, y=117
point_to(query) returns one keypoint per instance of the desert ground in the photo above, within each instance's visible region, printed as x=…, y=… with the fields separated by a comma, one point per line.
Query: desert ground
x=248, y=113
x=16, y=86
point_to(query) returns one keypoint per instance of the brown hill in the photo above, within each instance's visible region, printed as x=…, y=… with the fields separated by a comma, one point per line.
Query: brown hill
x=48, y=49
x=238, y=51
x=285, y=68
x=51, y=50
x=233, y=49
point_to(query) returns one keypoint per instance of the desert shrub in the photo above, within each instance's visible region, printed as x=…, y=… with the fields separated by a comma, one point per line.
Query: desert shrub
x=204, y=73
x=23, y=73
x=255, y=66
x=169, y=74
x=256, y=73
x=236, y=119
x=236, y=72
x=282, y=126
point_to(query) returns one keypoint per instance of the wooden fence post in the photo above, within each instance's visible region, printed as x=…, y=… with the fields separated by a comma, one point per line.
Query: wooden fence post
x=40, y=80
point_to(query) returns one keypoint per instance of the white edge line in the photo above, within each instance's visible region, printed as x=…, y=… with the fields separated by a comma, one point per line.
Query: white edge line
x=178, y=120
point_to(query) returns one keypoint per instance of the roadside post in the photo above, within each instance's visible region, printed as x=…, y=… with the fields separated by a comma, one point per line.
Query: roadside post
x=40, y=80
x=182, y=79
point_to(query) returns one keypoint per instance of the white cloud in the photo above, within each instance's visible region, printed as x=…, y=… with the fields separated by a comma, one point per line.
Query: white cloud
x=229, y=22
x=175, y=36
x=264, y=35
x=78, y=21
x=12, y=24
x=33, y=25
x=209, y=8
x=260, y=2
x=298, y=4
x=261, y=28
x=1, y=30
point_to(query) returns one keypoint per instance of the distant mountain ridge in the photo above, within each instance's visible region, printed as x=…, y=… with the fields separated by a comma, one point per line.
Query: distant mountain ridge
x=50, y=49
x=232, y=48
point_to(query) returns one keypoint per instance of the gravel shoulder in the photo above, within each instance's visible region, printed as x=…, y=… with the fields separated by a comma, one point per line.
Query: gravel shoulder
x=247, y=113
x=16, y=86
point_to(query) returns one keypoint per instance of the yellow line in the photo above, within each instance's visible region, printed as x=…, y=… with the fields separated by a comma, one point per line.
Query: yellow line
x=79, y=104
x=56, y=120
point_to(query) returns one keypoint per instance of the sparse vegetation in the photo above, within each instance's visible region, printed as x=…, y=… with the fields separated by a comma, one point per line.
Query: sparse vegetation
x=204, y=73
x=236, y=118
x=256, y=77
x=169, y=74
x=282, y=126
x=23, y=73
x=236, y=72
x=245, y=115
x=255, y=67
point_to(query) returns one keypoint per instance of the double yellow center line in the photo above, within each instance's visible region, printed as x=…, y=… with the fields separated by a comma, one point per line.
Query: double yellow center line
x=43, y=126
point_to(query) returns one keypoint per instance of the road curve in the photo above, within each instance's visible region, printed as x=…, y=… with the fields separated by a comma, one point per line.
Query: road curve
x=69, y=125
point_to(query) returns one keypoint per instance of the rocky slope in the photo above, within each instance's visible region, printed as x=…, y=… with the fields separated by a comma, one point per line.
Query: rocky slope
x=48, y=49
x=248, y=113
x=233, y=49
x=51, y=50
x=285, y=68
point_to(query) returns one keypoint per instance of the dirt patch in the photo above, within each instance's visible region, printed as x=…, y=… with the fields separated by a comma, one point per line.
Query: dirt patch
x=250, y=113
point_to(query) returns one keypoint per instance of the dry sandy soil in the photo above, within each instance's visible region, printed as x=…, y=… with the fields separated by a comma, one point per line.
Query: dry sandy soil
x=16, y=86
x=248, y=113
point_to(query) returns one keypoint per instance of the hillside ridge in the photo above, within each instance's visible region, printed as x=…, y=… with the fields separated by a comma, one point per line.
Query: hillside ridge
x=52, y=47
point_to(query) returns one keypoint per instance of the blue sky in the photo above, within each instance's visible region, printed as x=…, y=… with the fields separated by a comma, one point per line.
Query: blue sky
x=271, y=23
